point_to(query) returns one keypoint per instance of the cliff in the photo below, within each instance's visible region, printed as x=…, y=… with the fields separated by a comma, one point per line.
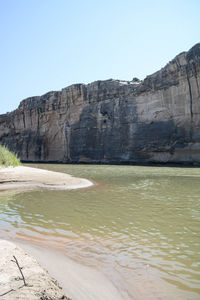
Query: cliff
x=154, y=120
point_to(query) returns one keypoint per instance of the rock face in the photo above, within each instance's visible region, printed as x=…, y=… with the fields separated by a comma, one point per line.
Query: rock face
x=113, y=121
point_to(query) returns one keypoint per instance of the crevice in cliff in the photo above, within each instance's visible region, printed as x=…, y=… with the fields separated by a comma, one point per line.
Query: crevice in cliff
x=30, y=112
x=196, y=78
x=24, y=120
x=191, y=104
x=27, y=150
x=67, y=140
x=38, y=120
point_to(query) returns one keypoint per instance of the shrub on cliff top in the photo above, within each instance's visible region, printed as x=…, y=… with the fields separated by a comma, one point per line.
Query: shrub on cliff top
x=8, y=158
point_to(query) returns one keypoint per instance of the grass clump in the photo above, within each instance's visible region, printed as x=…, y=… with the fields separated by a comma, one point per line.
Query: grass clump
x=8, y=158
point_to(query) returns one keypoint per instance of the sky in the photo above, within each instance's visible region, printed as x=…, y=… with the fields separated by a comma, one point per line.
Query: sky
x=47, y=45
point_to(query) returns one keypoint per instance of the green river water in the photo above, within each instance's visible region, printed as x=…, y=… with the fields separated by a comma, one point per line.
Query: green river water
x=138, y=225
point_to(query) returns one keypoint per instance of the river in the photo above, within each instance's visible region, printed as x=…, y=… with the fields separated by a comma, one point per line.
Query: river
x=138, y=225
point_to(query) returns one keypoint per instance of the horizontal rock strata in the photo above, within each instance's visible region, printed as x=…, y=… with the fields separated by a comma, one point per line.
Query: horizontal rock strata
x=113, y=121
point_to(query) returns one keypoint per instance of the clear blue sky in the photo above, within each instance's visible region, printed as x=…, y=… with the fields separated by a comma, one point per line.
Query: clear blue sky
x=50, y=44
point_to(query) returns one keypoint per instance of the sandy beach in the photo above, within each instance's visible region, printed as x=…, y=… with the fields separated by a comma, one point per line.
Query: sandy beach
x=32, y=282
x=32, y=178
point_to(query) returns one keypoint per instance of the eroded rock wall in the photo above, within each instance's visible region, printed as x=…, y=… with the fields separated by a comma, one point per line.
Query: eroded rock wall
x=155, y=120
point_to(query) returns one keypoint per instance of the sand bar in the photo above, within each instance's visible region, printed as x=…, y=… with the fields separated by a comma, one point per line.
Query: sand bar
x=33, y=178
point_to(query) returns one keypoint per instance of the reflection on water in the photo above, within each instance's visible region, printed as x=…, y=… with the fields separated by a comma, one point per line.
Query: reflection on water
x=139, y=225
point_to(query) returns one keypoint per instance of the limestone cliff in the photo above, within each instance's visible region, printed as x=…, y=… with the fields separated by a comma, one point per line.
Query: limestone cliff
x=154, y=120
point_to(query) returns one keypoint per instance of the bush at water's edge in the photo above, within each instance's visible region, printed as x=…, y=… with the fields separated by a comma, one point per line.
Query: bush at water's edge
x=8, y=158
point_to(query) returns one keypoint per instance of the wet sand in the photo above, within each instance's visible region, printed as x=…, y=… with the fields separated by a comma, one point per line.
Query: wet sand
x=78, y=281
x=27, y=178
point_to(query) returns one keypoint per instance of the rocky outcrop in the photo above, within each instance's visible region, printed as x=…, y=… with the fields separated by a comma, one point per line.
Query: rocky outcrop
x=113, y=121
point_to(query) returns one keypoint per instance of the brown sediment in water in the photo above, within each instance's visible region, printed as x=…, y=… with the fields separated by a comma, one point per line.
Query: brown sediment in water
x=79, y=281
x=27, y=178
x=150, y=273
x=87, y=278
x=143, y=283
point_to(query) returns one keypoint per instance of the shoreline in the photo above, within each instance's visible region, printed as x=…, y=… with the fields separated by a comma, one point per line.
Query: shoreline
x=82, y=281
x=162, y=164
x=22, y=277
x=50, y=274
x=28, y=178
x=78, y=281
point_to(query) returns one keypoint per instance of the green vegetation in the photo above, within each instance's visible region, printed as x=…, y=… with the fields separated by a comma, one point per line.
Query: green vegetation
x=8, y=158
